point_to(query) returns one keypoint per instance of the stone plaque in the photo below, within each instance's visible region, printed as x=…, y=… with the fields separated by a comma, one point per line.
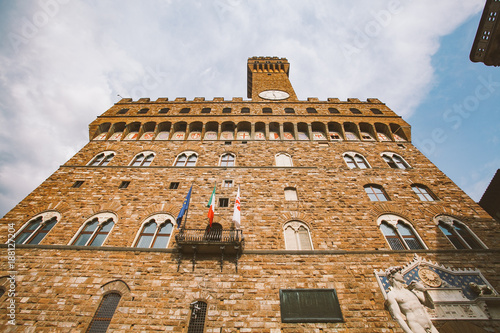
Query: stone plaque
x=309, y=306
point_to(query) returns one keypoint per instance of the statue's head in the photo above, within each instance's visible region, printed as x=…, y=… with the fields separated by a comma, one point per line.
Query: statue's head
x=394, y=273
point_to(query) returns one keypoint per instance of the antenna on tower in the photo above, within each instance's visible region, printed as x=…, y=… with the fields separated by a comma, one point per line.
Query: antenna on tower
x=119, y=95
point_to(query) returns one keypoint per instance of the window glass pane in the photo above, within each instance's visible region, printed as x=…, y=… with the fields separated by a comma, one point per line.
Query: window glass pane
x=304, y=240
x=404, y=230
x=181, y=160
x=91, y=226
x=350, y=136
x=33, y=225
x=350, y=161
x=149, y=228
x=37, y=239
x=161, y=242
x=107, y=159
x=98, y=240
x=166, y=229
x=97, y=159
x=386, y=230
x=144, y=241
x=191, y=160
x=138, y=160
x=291, y=241
x=389, y=161
x=360, y=161
x=148, y=160
x=82, y=239
x=49, y=225
x=197, y=320
x=107, y=226
x=399, y=161
x=22, y=237
x=451, y=235
x=467, y=236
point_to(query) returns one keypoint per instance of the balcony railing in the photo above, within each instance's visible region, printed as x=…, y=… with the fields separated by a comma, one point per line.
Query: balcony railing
x=209, y=236
x=208, y=242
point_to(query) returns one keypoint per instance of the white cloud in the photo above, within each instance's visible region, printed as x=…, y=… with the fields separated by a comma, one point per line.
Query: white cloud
x=69, y=69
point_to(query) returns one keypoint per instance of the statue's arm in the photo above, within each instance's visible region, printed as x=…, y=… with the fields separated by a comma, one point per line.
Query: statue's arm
x=396, y=313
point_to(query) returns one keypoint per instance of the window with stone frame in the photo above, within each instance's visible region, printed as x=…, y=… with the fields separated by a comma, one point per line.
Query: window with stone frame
x=395, y=161
x=102, y=159
x=143, y=159
x=227, y=160
x=291, y=194
x=104, y=314
x=297, y=236
x=283, y=159
x=95, y=231
x=399, y=233
x=423, y=192
x=186, y=159
x=458, y=233
x=376, y=192
x=37, y=228
x=155, y=232
x=355, y=161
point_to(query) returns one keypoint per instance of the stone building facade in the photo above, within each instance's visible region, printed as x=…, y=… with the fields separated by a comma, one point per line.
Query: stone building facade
x=333, y=193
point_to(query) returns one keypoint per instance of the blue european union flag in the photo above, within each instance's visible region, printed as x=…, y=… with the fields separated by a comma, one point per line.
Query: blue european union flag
x=184, y=208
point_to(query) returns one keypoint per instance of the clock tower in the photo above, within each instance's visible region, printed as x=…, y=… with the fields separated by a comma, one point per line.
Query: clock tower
x=268, y=79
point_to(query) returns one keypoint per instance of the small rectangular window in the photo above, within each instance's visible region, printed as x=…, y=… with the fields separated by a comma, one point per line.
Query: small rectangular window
x=174, y=185
x=226, y=110
x=143, y=111
x=206, y=110
x=333, y=110
x=245, y=110
x=289, y=110
x=185, y=110
x=124, y=184
x=122, y=111
x=355, y=111
x=376, y=111
x=77, y=184
x=227, y=183
x=267, y=110
x=227, y=143
x=311, y=110
x=164, y=110
x=223, y=202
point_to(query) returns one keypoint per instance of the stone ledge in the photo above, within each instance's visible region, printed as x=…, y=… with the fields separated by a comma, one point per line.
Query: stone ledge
x=249, y=252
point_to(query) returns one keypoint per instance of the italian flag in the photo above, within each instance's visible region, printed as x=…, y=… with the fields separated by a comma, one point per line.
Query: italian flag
x=211, y=204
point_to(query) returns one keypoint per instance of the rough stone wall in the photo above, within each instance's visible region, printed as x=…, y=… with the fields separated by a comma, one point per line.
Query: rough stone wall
x=59, y=288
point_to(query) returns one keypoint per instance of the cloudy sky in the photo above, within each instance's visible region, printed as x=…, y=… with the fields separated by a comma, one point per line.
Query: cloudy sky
x=63, y=62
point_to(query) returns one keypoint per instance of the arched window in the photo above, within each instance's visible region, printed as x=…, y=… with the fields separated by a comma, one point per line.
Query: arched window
x=355, y=160
x=35, y=230
x=102, y=159
x=187, y=158
x=104, y=313
x=283, y=160
x=376, y=192
x=297, y=236
x=399, y=233
x=198, y=314
x=227, y=160
x=143, y=159
x=395, y=161
x=458, y=233
x=423, y=193
x=95, y=231
x=156, y=232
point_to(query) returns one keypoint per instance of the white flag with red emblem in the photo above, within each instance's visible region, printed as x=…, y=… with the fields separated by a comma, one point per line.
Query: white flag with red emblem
x=237, y=210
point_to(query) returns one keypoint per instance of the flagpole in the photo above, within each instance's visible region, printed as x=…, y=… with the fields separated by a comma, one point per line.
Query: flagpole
x=187, y=210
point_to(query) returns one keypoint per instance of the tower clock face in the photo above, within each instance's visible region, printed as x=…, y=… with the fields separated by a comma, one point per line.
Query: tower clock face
x=274, y=94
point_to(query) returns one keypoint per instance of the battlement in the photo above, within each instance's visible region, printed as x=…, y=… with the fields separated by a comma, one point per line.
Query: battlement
x=162, y=100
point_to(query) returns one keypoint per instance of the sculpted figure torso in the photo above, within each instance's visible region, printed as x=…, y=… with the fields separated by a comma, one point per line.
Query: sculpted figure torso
x=403, y=301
